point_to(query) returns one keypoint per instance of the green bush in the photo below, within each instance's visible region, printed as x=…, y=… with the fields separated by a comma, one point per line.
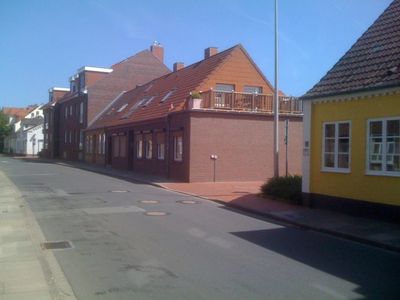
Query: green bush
x=285, y=187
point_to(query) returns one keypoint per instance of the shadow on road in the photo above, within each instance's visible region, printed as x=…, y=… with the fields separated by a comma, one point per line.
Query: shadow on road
x=376, y=272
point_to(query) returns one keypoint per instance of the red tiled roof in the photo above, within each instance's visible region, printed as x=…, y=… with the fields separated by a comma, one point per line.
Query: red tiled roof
x=179, y=84
x=372, y=62
x=18, y=112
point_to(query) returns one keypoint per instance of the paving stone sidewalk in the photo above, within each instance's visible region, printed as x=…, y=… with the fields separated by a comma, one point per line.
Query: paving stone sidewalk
x=26, y=271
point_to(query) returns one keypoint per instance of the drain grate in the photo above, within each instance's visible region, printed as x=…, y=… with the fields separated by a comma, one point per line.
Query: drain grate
x=156, y=213
x=188, y=202
x=149, y=201
x=57, y=245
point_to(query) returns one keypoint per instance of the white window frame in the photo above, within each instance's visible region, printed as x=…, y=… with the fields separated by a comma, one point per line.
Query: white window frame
x=335, y=169
x=66, y=111
x=100, y=143
x=383, y=149
x=149, y=146
x=103, y=145
x=139, y=146
x=178, y=150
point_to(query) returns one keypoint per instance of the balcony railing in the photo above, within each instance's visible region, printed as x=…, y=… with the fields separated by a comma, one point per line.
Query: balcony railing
x=235, y=101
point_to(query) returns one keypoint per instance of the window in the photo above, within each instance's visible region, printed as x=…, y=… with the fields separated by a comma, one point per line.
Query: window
x=336, y=147
x=139, y=146
x=66, y=111
x=122, y=107
x=81, y=112
x=70, y=110
x=80, y=140
x=82, y=82
x=253, y=89
x=384, y=147
x=87, y=144
x=166, y=96
x=65, y=136
x=223, y=87
x=70, y=137
x=178, y=147
x=100, y=144
x=103, y=150
x=149, y=146
x=161, y=146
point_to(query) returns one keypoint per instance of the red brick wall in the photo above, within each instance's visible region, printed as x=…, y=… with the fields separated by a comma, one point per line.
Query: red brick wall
x=70, y=151
x=244, y=145
x=239, y=71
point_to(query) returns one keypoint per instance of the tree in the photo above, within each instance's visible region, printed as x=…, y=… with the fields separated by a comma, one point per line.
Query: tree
x=5, y=129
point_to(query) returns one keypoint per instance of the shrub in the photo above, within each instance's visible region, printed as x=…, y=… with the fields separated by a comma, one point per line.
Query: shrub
x=195, y=95
x=285, y=187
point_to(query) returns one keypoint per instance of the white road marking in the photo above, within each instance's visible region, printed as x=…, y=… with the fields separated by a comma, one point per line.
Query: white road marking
x=197, y=232
x=113, y=210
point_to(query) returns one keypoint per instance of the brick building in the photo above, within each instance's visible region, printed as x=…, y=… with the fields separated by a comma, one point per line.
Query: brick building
x=223, y=132
x=51, y=115
x=91, y=90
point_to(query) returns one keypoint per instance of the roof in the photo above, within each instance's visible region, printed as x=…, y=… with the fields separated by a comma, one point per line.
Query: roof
x=18, y=112
x=373, y=62
x=32, y=121
x=127, y=74
x=163, y=95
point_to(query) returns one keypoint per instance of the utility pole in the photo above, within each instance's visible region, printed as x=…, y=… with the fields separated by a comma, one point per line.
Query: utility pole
x=276, y=99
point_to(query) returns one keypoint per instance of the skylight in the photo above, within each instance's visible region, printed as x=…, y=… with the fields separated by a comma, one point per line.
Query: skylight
x=166, y=96
x=122, y=107
x=148, y=100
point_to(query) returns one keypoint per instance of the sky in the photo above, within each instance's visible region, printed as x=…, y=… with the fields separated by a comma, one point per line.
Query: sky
x=44, y=42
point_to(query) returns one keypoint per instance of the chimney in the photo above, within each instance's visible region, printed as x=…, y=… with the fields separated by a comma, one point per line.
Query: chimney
x=178, y=66
x=210, y=51
x=158, y=51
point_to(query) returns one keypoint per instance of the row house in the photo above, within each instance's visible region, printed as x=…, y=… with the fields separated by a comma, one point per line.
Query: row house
x=69, y=111
x=26, y=137
x=352, y=127
x=210, y=121
x=51, y=122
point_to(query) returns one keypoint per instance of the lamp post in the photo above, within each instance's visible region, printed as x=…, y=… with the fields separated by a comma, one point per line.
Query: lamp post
x=276, y=99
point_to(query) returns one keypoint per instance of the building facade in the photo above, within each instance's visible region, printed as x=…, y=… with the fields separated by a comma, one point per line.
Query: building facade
x=223, y=132
x=91, y=90
x=352, y=127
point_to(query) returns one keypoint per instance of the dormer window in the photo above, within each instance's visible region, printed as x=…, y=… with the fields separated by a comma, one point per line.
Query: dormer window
x=50, y=96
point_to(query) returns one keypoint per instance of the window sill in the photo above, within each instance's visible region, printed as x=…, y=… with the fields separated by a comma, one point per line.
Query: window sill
x=336, y=170
x=382, y=173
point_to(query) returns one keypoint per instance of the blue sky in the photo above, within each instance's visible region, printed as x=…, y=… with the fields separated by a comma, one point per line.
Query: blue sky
x=43, y=42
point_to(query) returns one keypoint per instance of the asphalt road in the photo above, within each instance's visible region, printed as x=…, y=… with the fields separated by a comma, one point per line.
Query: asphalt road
x=199, y=250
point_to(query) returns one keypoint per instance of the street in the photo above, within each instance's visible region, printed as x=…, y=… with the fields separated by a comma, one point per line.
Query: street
x=137, y=241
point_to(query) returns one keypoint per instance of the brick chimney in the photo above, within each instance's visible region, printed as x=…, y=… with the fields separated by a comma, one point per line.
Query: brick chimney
x=210, y=51
x=178, y=66
x=158, y=51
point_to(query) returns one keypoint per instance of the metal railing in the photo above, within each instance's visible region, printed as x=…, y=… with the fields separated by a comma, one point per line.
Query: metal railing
x=249, y=102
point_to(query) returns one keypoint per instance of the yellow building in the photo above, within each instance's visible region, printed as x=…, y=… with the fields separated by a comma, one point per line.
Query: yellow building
x=351, y=157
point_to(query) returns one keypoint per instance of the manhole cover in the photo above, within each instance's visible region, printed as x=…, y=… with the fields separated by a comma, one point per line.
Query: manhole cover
x=188, y=202
x=155, y=213
x=58, y=245
x=118, y=191
x=149, y=201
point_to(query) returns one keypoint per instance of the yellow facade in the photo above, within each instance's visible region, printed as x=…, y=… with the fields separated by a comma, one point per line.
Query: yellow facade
x=356, y=184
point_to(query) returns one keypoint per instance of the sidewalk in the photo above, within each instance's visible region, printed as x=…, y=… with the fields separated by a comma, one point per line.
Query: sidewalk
x=244, y=196
x=26, y=271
